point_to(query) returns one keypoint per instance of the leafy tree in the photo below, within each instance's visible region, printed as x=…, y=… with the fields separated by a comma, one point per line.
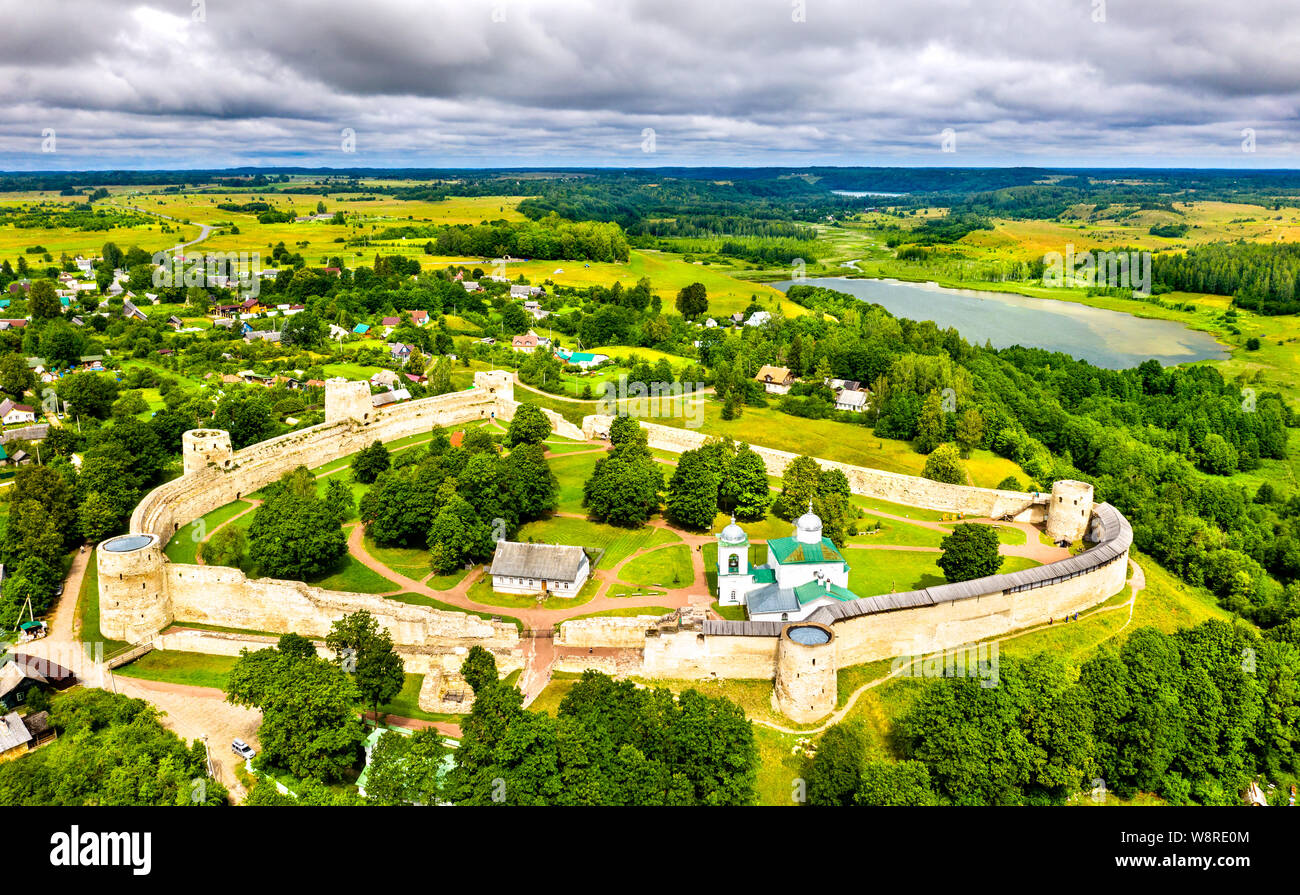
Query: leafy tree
x=338, y=496
x=624, y=488
x=302, y=330
x=885, y=784
x=407, y=770
x=479, y=668
x=970, y=430
x=744, y=488
x=228, y=546
x=692, y=301
x=309, y=721
x=931, y=427
x=361, y=647
x=971, y=551
x=835, y=773
x=370, y=462
x=113, y=751
x=529, y=482
x=16, y=378
x=97, y=518
x=944, y=465
x=247, y=415
x=529, y=426
x=458, y=535
x=88, y=394
x=800, y=482
x=692, y=499
x=295, y=536
x=43, y=301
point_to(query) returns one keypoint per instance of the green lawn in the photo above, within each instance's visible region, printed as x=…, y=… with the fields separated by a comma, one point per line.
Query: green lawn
x=481, y=592
x=353, y=577
x=629, y=612
x=176, y=667
x=406, y=704
x=667, y=567
x=618, y=543
x=572, y=473
x=891, y=571
x=184, y=545
x=409, y=561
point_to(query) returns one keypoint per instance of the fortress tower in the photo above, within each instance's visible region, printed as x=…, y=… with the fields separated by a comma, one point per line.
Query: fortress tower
x=500, y=383
x=347, y=400
x=1070, y=510
x=133, y=602
x=199, y=447
x=805, y=688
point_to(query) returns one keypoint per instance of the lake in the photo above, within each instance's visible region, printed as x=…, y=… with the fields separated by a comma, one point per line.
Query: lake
x=1110, y=339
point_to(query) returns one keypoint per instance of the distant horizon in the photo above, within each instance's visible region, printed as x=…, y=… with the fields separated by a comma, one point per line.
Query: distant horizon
x=389, y=169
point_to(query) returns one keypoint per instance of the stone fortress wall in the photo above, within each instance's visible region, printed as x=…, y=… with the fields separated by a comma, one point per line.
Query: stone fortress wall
x=141, y=593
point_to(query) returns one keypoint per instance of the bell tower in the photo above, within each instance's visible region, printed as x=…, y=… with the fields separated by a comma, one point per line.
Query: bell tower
x=734, y=578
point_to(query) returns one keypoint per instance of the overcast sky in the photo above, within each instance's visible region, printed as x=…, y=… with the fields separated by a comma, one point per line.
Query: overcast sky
x=217, y=83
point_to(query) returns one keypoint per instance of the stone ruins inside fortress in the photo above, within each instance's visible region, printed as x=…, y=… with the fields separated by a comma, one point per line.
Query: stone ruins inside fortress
x=142, y=593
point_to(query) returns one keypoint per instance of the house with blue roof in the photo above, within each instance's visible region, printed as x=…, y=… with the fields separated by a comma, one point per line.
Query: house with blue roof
x=803, y=573
x=361, y=329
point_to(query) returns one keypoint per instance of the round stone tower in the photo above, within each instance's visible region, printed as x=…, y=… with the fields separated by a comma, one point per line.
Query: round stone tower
x=133, y=601
x=348, y=400
x=199, y=447
x=1070, y=510
x=805, y=688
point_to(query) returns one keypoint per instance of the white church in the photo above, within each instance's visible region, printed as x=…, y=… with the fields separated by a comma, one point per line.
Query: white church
x=803, y=573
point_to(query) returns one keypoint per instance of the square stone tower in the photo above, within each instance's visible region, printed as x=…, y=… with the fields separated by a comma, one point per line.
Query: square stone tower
x=347, y=400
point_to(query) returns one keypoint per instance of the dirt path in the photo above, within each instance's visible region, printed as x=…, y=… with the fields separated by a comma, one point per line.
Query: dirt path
x=199, y=713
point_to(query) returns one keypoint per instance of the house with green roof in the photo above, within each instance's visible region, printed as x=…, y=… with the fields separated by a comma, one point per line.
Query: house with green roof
x=804, y=572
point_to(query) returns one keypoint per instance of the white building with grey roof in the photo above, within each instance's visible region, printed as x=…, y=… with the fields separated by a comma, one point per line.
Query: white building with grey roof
x=543, y=569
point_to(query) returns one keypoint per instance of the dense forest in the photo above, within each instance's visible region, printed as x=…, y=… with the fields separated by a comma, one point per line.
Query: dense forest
x=1261, y=277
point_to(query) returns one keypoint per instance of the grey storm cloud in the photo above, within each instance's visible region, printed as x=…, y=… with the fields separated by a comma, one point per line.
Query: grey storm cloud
x=197, y=83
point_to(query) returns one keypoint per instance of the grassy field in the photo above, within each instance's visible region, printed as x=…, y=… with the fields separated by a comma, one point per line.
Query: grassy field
x=184, y=545
x=618, y=543
x=176, y=667
x=668, y=567
x=481, y=592
x=572, y=472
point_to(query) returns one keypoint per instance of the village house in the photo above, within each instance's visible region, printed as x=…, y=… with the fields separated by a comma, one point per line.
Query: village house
x=517, y=291
x=22, y=673
x=526, y=343
x=385, y=378
x=583, y=360
x=15, y=414
x=776, y=380
x=419, y=318
x=540, y=569
x=392, y=396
